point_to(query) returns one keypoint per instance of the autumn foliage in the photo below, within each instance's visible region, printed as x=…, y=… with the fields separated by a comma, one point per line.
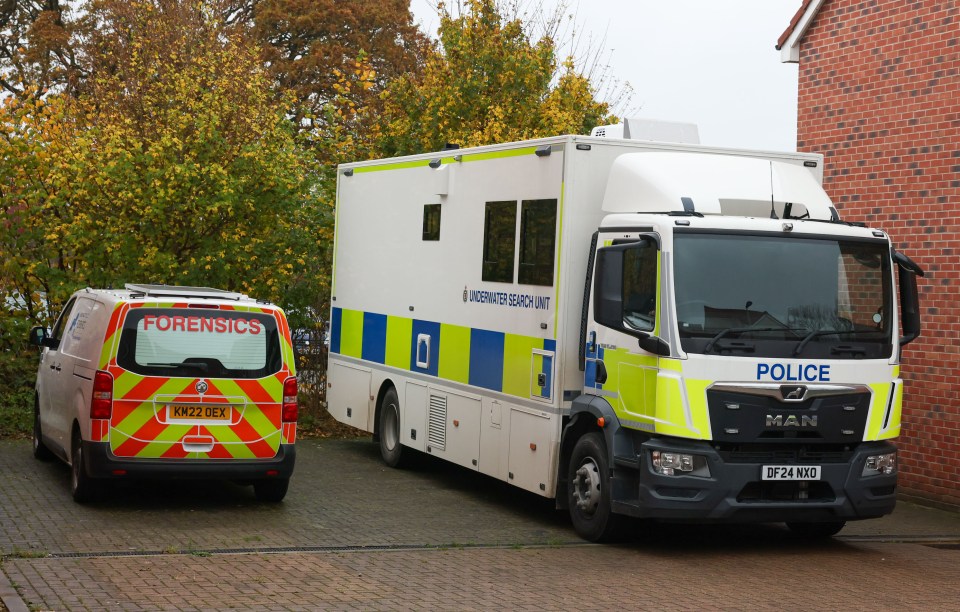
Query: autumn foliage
x=195, y=141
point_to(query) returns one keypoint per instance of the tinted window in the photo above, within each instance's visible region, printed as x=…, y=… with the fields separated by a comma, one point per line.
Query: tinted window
x=199, y=343
x=431, y=222
x=499, y=236
x=538, y=231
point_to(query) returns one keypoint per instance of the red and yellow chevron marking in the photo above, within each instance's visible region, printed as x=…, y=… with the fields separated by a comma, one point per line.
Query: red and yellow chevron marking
x=138, y=427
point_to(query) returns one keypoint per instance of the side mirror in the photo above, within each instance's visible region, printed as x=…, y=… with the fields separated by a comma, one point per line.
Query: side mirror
x=908, y=271
x=608, y=296
x=40, y=337
x=655, y=345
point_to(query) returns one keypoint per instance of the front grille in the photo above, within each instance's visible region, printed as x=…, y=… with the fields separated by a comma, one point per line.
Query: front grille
x=742, y=416
x=770, y=453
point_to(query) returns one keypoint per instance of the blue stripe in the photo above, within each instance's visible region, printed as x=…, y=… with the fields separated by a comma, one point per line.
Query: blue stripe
x=335, y=318
x=486, y=359
x=374, y=337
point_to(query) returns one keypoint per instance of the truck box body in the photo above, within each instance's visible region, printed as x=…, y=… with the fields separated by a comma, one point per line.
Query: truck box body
x=465, y=281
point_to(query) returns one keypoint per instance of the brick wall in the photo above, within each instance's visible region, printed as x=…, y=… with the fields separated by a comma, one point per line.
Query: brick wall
x=879, y=96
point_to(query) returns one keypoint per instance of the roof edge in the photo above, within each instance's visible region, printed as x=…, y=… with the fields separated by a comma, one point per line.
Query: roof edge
x=789, y=42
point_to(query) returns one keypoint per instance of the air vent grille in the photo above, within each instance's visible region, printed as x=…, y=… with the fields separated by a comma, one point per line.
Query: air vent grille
x=437, y=423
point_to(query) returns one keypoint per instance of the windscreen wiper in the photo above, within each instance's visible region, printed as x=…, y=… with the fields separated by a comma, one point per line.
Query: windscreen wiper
x=831, y=332
x=741, y=330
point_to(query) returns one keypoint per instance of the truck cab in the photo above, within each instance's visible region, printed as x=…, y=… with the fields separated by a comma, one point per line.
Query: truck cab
x=741, y=356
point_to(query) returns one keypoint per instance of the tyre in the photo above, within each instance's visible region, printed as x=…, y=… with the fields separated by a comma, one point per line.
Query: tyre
x=271, y=490
x=40, y=450
x=817, y=530
x=389, y=427
x=588, y=491
x=83, y=488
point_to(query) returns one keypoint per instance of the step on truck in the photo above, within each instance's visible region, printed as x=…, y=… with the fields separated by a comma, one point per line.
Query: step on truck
x=639, y=329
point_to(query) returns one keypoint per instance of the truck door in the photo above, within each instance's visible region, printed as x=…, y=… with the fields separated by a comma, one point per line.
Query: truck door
x=623, y=328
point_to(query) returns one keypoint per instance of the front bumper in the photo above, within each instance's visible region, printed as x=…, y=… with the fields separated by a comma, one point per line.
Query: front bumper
x=735, y=492
x=101, y=463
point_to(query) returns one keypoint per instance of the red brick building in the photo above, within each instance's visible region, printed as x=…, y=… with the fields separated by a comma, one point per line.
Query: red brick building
x=879, y=97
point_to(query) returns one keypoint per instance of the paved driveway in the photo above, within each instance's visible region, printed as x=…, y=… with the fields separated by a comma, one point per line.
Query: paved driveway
x=353, y=534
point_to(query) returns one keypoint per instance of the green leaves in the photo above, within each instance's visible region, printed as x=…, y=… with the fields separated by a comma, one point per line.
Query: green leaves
x=487, y=83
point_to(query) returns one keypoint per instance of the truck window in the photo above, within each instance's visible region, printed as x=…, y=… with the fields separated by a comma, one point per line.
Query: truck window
x=640, y=288
x=431, y=222
x=499, y=241
x=538, y=232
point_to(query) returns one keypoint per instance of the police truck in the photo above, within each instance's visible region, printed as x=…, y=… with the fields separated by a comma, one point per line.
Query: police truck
x=637, y=328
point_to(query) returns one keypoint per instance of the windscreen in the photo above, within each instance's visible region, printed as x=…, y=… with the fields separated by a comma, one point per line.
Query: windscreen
x=791, y=297
x=199, y=343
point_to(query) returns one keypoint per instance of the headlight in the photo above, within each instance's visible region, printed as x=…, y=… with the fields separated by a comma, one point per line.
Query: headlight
x=880, y=464
x=669, y=464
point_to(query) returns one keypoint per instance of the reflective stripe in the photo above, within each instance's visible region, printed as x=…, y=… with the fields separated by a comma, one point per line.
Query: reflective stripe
x=479, y=357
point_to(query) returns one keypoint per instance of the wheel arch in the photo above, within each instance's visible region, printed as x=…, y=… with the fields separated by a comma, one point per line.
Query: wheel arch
x=585, y=413
x=385, y=386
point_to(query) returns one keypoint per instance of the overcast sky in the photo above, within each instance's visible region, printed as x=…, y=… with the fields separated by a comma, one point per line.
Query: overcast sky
x=709, y=62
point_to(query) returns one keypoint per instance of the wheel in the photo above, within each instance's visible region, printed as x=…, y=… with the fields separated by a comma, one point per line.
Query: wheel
x=83, y=488
x=271, y=490
x=40, y=450
x=390, y=448
x=817, y=530
x=589, y=491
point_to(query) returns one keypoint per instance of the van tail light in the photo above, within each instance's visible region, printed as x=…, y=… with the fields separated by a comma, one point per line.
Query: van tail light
x=101, y=407
x=290, y=407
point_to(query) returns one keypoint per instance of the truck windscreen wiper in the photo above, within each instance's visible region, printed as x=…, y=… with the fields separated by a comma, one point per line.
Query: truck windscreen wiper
x=741, y=330
x=828, y=332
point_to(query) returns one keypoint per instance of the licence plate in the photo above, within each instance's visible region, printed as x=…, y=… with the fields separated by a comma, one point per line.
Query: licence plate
x=790, y=472
x=201, y=413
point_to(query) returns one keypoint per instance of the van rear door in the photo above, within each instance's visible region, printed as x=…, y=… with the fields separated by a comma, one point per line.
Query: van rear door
x=199, y=383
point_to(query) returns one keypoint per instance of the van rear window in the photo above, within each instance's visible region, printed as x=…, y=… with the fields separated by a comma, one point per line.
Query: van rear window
x=195, y=343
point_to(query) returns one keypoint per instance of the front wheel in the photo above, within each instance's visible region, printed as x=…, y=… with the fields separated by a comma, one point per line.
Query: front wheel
x=40, y=450
x=816, y=531
x=390, y=448
x=588, y=491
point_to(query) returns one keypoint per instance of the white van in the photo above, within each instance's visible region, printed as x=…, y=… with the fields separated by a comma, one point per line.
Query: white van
x=162, y=381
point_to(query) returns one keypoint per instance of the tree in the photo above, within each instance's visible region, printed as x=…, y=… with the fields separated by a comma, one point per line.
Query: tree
x=487, y=82
x=37, y=46
x=178, y=166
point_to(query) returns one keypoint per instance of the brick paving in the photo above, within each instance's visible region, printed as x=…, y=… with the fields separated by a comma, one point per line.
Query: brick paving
x=355, y=535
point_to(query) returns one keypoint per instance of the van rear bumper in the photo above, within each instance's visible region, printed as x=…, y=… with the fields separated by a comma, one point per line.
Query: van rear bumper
x=101, y=463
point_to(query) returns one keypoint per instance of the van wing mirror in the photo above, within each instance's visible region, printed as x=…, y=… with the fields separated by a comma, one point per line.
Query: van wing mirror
x=40, y=337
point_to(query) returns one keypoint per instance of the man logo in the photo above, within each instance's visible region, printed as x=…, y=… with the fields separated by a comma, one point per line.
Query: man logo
x=793, y=393
x=791, y=420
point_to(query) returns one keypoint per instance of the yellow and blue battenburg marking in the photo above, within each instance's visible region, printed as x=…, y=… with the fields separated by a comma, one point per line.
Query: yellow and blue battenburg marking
x=483, y=358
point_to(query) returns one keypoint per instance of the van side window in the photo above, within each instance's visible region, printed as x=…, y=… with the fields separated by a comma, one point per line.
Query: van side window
x=58, y=329
x=538, y=233
x=431, y=222
x=499, y=241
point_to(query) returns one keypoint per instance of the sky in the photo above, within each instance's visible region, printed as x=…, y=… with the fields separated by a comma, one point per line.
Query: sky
x=708, y=62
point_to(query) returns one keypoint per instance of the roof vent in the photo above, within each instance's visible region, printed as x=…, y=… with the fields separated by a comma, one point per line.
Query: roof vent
x=650, y=129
